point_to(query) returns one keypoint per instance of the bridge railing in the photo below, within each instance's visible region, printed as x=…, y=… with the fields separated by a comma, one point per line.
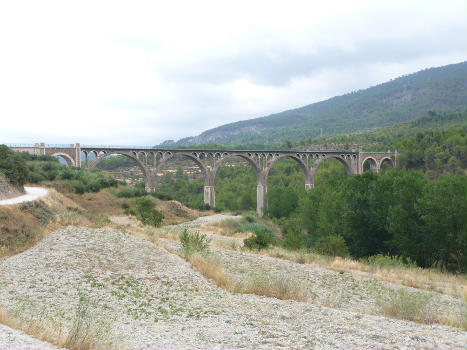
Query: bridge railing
x=19, y=145
x=117, y=146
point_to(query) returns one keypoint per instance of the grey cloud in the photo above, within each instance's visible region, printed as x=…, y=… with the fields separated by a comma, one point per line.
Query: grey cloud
x=277, y=65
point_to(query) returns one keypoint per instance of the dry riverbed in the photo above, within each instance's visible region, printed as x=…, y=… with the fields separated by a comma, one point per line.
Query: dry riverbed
x=134, y=294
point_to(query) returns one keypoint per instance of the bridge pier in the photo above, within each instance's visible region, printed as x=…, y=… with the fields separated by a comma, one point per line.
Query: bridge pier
x=210, y=196
x=309, y=186
x=261, y=199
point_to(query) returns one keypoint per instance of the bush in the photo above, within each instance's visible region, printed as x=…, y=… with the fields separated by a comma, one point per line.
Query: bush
x=162, y=196
x=332, y=245
x=131, y=192
x=252, y=227
x=250, y=218
x=147, y=213
x=262, y=238
x=194, y=243
x=386, y=261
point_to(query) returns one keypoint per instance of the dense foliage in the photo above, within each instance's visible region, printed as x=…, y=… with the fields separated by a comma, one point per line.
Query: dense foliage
x=396, y=213
x=12, y=166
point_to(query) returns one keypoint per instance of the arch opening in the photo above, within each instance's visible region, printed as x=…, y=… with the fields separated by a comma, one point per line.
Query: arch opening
x=386, y=164
x=285, y=179
x=122, y=167
x=235, y=181
x=182, y=177
x=64, y=159
x=332, y=169
x=84, y=158
x=370, y=164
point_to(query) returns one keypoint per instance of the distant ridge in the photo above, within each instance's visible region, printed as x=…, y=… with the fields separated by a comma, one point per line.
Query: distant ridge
x=442, y=89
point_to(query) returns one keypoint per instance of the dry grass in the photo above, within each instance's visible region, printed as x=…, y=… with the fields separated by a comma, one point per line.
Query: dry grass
x=212, y=270
x=425, y=279
x=272, y=285
x=85, y=334
x=418, y=307
x=225, y=227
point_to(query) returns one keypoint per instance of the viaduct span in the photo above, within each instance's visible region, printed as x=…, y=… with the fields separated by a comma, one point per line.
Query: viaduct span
x=150, y=161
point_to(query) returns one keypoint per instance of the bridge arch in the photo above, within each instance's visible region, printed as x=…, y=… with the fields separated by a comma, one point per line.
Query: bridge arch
x=373, y=163
x=221, y=158
x=384, y=161
x=297, y=158
x=69, y=161
x=147, y=175
x=343, y=159
x=244, y=193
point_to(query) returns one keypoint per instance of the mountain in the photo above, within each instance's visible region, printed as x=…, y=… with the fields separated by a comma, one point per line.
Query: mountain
x=442, y=89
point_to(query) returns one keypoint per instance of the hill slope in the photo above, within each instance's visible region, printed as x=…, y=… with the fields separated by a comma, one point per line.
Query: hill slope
x=442, y=89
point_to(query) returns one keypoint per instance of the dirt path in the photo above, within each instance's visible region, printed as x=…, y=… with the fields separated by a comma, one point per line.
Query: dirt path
x=32, y=193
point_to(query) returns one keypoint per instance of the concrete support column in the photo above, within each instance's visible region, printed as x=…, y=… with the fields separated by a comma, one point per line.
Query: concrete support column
x=150, y=181
x=309, y=180
x=210, y=196
x=78, y=155
x=261, y=199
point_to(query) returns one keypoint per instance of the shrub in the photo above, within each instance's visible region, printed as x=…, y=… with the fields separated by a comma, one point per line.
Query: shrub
x=194, y=243
x=162, y=196
x=262, y=238
x=250, y=218
x=131, y=192
x=147, y=213
x=386, y=261
x=252, y=227
x=333, y=245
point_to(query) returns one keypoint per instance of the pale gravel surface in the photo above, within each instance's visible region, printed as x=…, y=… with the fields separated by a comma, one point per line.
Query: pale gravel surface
x=32, y=193
x=16, y=340
x=152, y=299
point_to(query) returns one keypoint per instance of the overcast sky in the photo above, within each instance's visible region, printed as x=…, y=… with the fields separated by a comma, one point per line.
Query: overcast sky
x=141, y=72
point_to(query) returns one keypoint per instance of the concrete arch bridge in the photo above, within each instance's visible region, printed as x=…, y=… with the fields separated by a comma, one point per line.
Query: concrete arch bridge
x=150, y=160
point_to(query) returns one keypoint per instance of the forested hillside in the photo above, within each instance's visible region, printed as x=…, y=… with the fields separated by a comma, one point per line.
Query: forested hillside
x=442, y=89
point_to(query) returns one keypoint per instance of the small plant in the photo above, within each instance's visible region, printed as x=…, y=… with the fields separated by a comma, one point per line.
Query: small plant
x=86, y=332
x=194, y=243
x=262, y=238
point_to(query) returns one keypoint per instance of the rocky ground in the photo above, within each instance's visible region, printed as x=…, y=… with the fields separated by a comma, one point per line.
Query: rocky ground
x=133, y=294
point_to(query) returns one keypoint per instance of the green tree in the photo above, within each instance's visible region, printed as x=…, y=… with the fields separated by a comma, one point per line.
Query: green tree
x=282, y=201
x=13, y=166
x=147, y=213
x=442, y=210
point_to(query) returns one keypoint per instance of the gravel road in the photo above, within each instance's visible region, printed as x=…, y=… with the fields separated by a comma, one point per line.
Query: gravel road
x=32, y=193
